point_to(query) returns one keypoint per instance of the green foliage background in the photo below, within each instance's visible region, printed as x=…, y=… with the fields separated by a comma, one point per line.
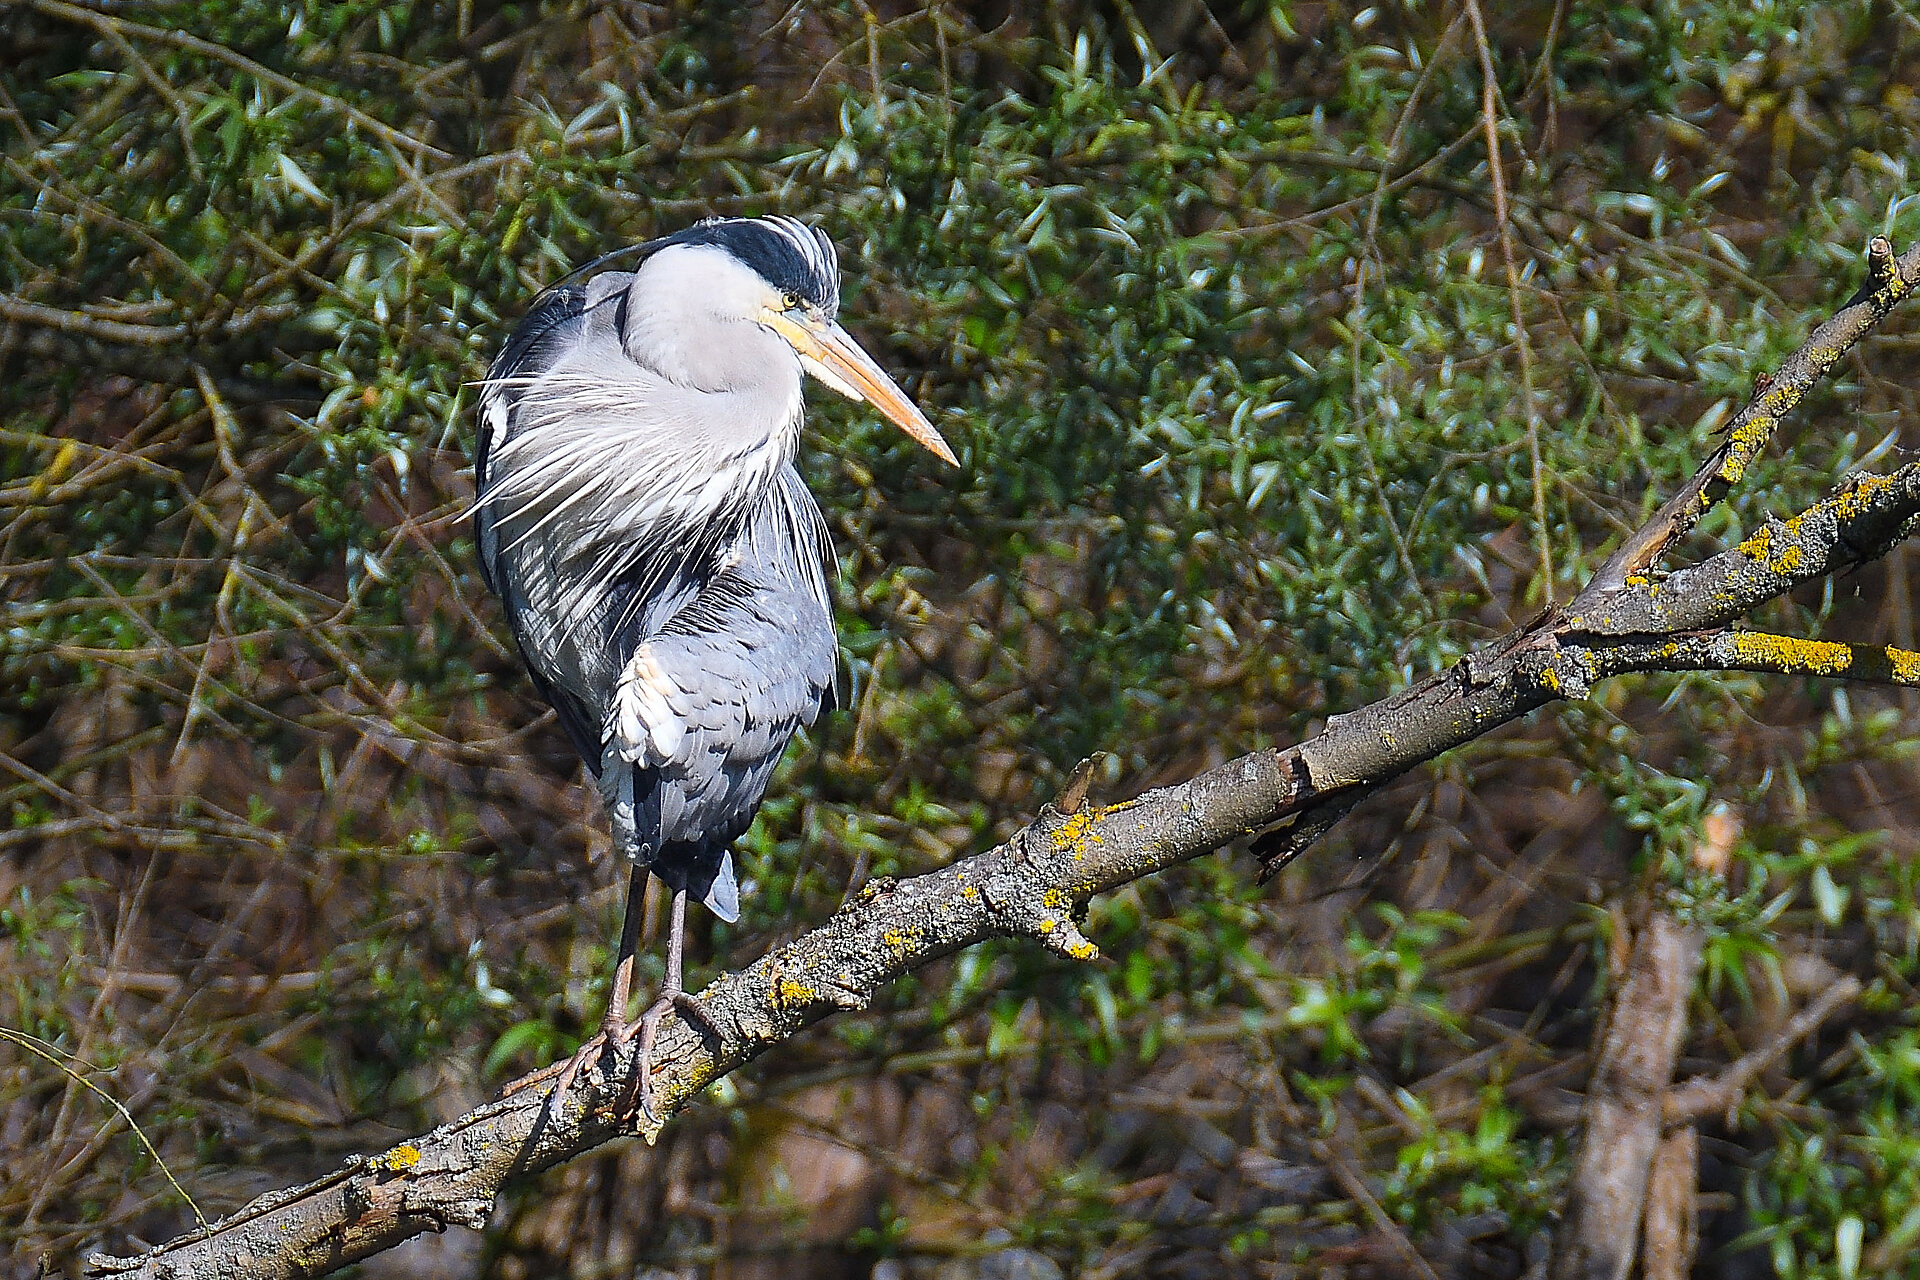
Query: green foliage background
x=1214, y=305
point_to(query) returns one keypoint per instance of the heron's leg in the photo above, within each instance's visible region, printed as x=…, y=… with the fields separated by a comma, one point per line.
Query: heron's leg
x=673, y=995
x=614, y=1025
x=614, y=1030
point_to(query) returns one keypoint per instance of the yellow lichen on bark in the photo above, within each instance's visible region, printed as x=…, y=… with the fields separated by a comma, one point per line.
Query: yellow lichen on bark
x=1790, y=654
x=1783, y=557
x=1079, y=828
x=1744, y=442
x=1083, y=950
x=1905, y=665
x=1854, y=500
x=398, y=1160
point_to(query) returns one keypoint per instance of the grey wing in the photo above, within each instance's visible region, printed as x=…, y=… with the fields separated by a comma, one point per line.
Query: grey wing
x=560, y=320
x=705, y=706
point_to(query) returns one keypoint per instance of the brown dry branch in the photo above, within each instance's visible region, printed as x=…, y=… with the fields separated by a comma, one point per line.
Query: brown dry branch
x=1634, y=1176
x=1672, y=1229
x=1703, y=1096
x=1614, y=1166
x=1036, y=884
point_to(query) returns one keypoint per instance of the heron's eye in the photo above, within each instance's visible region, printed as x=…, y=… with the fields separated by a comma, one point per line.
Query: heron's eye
x=789, y=302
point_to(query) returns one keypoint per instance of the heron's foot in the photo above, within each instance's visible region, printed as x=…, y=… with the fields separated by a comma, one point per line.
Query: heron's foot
x=695, y=1015
x=613, y=1034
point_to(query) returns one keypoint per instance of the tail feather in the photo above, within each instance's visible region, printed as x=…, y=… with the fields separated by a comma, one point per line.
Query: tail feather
x=723, y=899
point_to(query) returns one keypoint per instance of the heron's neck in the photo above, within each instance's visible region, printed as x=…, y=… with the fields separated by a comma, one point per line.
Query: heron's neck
x=645, y=452
x=687, y=318
x=721, y=357
x=723, y=390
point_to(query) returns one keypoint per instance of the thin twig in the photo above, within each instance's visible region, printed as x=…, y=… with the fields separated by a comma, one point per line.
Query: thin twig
x=1490, y=121
x=62, y=1059
x=1705, y=1095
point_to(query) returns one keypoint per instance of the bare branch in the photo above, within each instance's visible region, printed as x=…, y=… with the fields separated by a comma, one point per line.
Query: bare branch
x=1608, y=1187
x=21, y=311
x=1888, y=282
x=1702, y=1096
x=1671, y=1230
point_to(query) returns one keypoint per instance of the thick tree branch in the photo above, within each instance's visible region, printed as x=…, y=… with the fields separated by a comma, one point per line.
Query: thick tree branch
x=1038, y=883
x=1608, y=1188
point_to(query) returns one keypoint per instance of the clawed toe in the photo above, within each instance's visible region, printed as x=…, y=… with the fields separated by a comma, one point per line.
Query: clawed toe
x=568, y=1071
x=641, y=1092
x=614, y=1034
x=697, y=1015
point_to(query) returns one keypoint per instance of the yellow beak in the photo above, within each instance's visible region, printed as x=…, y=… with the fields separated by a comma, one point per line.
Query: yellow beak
x=830, y=354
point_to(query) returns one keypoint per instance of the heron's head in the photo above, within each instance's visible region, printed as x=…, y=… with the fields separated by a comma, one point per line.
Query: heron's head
x=783, y=276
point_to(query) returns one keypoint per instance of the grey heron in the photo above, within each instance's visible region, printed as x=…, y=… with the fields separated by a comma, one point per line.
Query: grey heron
x=662, y=564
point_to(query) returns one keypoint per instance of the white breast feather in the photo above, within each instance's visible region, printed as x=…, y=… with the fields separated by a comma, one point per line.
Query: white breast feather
x=605, y=457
